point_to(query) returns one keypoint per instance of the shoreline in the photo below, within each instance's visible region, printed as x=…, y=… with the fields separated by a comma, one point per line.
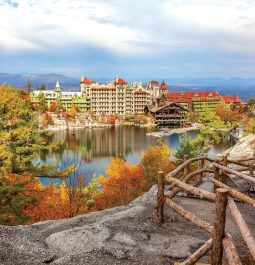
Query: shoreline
x=98, y=126
x=173, y=131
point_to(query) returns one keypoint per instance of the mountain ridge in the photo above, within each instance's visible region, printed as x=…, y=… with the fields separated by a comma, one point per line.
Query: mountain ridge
x=243, y=86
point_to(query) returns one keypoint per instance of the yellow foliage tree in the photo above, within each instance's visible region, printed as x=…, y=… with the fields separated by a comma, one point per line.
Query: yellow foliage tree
x=73, y=111
x=124, y=183
x=63, y=192
x=156, y=158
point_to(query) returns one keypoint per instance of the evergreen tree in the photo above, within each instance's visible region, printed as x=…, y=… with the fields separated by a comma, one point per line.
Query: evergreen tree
x=190, y=148
x=20, y=140
x=13, y=201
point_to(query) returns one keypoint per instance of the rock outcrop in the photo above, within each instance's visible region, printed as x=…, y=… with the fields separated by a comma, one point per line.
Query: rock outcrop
x=123, y=235
x=244, y=148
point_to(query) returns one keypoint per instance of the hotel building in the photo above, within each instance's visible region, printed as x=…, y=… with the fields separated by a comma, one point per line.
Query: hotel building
x=123, y=98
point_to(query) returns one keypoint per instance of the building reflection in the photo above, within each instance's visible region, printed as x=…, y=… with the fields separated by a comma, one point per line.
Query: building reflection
x=97, y=143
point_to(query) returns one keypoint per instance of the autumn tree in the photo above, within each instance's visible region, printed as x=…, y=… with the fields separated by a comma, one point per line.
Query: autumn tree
x=20, y=140
x=53, y=107
x=142, y=119
x=73, y=111
x=156, y=158
x=250, y=126
x=251, y=102
x=124, y=183
x=111, y=119
x=228, y=115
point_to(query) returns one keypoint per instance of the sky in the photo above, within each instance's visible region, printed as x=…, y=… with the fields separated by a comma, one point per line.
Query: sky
x=128, y=38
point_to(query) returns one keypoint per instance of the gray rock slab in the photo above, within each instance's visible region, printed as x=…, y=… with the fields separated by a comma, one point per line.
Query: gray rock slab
x=123, y=235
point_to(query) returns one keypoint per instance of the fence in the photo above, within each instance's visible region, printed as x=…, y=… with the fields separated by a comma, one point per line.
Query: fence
x=223, y=197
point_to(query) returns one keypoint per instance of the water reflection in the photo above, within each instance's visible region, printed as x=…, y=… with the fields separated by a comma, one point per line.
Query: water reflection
x=95, y=147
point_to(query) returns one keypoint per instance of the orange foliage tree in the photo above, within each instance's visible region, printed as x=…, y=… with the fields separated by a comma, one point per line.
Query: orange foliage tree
x=73, y=110
x=111, y=119
x=53, y=106
x=156, y=158
x=124, y=183
x=142, y=119
x=46, y=202
x=227, y=114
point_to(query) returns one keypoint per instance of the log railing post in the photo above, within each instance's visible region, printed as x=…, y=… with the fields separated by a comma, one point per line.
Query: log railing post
x=200, y=166
x=160, y=197
x=216, y=176
x=219, y=226
x=225, y=164
x=251, y=168
x=186, y=168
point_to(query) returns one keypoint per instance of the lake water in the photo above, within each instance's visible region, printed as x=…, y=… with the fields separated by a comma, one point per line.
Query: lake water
x=94, y=148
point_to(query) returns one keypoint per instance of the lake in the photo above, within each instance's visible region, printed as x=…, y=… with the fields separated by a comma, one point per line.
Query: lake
x=94, y=148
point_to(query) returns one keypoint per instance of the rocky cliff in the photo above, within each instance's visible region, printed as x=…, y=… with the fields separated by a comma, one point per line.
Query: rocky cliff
x=123, y=235
x=244, y=148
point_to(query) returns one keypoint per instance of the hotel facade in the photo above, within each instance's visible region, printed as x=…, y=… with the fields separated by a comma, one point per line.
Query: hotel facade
x=114, y=97
x=124, y=99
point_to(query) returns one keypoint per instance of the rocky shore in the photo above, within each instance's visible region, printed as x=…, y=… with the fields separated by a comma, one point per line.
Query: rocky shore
x=167, y=132
x=82, y=121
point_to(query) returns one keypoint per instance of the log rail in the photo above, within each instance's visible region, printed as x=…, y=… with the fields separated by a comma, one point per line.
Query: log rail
x=223, y=196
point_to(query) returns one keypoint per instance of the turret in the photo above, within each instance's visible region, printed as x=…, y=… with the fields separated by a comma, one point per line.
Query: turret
x=58, y=89
x=163, y=88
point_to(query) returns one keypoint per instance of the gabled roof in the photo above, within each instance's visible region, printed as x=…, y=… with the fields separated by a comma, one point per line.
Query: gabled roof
x=191, y=95
x=120, y=81
x=154, y=109
x=154, y=82
x=232, y=99
x=86, y=81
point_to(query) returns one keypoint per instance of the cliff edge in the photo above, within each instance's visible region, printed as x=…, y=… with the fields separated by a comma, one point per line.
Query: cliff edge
x=121, y=235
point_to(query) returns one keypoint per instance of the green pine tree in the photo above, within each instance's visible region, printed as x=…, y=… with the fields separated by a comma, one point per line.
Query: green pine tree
x=20, y=140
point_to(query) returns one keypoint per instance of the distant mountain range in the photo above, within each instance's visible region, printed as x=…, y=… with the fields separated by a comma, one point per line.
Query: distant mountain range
x=245, y=87
x=49, y=80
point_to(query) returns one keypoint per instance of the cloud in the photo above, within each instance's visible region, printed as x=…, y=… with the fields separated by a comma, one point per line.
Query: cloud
x=9, y=3
x=175, y=32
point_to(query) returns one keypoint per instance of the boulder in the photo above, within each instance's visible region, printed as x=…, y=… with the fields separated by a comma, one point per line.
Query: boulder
x=244, y=148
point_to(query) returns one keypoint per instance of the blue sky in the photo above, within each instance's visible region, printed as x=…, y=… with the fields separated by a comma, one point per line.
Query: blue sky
x=129, y=38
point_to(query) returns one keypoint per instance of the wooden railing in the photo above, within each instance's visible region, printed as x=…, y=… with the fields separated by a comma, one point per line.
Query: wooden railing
x=223, y=196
